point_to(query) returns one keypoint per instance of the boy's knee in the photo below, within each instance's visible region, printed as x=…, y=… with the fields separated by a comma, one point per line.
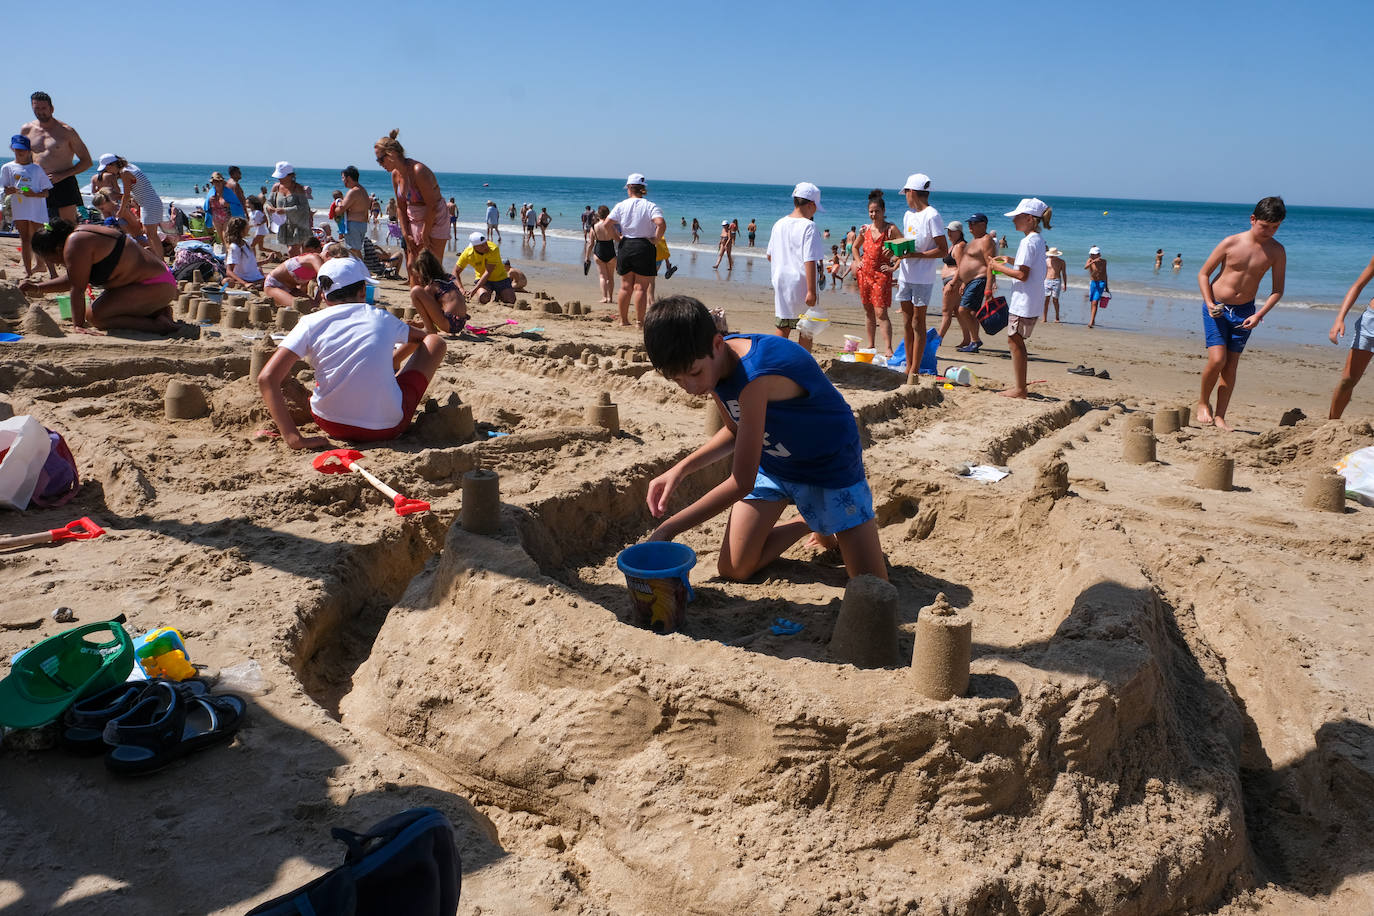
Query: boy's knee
x=733, y=572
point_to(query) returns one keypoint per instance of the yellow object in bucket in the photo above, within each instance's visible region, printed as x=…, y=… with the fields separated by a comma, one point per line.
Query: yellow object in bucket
x=864, y=355
x=64, y=306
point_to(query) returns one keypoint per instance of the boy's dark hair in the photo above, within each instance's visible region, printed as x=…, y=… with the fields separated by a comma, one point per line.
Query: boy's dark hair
x=351, y=172
x=1270, y=210
x=313, y=244
x=41, y=96
x=800, y=202
x=678, y=331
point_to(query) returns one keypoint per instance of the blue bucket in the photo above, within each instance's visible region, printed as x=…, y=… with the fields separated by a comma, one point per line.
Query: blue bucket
x=656, y=575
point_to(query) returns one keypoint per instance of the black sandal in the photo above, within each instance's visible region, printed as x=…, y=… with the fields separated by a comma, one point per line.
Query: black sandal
x=84, y=722
x=151, y=735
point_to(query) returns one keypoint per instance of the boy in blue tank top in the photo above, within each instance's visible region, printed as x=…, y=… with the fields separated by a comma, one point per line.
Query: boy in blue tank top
x=793, y=439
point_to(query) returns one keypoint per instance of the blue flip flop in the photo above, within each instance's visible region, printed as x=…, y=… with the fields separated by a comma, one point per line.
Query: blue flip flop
x=784, y=627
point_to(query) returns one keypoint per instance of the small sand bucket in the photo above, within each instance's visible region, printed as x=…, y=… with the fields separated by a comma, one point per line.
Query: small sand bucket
x=959, y=375
x=851, y=343
x=212, y=293
x=864, y=355
x=64, y=306
x=656, y=575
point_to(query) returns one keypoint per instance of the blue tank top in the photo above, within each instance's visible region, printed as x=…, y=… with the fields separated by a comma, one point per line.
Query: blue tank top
x=812, y=439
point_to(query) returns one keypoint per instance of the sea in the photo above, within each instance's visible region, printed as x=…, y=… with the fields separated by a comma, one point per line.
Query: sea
x=1327, y=246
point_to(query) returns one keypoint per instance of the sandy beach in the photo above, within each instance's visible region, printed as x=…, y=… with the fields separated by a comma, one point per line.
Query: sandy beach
x=1170, y=704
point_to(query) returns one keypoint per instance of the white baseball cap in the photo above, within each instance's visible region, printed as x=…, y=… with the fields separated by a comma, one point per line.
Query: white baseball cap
x=476, y=238
x=954, y=224
x=1032, y=205
x=919, y=181
x=808, y=191
x=345, y=272
x=283, y=169
x=635, y=178
x=725, y=222
x=106, y=160
x=1094, y=250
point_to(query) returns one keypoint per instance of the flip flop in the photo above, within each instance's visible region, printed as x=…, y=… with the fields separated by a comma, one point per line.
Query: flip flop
x=1104, y=374
x=1083, y=370
x=84, y=722
x=151, y=735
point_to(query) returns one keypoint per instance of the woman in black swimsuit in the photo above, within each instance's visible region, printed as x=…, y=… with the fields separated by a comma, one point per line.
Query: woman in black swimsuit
x=137, y=287
x=603, y=248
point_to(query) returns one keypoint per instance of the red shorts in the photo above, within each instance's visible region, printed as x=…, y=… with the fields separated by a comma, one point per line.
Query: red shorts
x=413, y=385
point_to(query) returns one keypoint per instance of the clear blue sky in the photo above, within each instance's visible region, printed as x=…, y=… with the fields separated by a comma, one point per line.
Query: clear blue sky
x=1220, y=101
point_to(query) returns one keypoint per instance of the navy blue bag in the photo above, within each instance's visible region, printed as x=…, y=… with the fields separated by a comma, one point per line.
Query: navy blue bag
x=408, y=864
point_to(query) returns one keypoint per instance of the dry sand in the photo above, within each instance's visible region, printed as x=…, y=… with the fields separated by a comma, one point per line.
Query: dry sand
x=1169, y=709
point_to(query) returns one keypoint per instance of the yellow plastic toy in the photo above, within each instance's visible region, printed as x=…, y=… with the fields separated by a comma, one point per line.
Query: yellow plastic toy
x=162, y=653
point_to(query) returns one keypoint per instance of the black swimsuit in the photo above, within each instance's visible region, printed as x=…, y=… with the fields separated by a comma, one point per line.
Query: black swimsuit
x=604, y=250
x=102, y=269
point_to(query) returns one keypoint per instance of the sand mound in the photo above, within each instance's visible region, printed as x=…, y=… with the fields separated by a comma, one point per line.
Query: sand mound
x=12, y=301
x=38, y=323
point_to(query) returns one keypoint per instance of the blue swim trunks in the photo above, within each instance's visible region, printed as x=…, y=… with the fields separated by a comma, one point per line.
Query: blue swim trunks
x=1225, y=330
x=1095, y=289
x=826, y=511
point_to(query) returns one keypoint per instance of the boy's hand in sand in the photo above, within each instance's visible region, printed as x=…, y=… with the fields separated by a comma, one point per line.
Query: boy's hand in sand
x=660, y=489
x=314, y=443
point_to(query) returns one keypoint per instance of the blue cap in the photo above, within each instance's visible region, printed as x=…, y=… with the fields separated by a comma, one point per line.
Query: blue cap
x=19, y=141
x=977, y=218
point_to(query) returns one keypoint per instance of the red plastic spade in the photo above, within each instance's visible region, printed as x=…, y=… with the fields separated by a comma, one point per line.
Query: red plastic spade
x=345, y=460
x=83, y=529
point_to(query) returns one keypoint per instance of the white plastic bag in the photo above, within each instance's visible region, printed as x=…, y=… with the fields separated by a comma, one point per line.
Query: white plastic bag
x=1358, y=470
x=28, y=446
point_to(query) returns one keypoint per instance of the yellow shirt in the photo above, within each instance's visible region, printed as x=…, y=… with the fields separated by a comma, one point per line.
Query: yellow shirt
x=481, y=262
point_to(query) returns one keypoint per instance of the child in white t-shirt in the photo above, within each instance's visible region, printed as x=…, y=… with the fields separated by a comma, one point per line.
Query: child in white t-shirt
x=27, y=186
x=1027, y=274
x=241, y=265
x=795, y=250
x=353, y=348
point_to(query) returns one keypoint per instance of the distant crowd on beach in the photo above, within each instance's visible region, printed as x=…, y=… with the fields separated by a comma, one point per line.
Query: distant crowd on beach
x=123, y=245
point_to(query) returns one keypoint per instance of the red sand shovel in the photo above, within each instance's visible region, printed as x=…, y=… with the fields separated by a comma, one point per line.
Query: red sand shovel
x=83, y=529
x=344, y=460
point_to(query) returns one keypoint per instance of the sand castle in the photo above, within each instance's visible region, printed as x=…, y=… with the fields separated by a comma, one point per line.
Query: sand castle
x=1056, y=710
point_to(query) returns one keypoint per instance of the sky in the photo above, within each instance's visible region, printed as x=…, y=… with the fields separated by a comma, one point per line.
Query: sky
x=1208, y=101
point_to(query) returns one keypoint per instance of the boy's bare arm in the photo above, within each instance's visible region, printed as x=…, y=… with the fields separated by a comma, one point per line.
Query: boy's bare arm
x=1204, y=274
x=1277, y=273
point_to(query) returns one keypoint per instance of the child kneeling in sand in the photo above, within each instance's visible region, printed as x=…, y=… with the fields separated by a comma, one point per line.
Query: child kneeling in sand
x=792, y=436
x=352, y=347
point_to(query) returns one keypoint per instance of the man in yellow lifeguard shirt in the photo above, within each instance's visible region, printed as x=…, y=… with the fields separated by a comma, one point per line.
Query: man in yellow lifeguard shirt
x=492, y=277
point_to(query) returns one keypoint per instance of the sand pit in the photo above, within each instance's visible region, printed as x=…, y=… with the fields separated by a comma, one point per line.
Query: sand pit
x=1148, y=725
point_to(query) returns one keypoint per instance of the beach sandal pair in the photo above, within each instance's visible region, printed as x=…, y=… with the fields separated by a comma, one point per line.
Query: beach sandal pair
x=142, y=726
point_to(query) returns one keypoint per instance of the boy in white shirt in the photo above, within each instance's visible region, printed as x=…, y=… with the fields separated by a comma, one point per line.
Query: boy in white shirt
x=352, y=346
x=794, y=249
x=1027, y=274
x=918, y=271
x=26, y=181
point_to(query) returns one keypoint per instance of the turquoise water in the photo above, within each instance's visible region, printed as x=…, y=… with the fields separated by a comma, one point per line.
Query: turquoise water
x=1327, y=247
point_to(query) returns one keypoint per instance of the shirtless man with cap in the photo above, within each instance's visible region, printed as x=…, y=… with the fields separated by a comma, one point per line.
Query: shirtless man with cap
x=55, y=145
x=972, y=278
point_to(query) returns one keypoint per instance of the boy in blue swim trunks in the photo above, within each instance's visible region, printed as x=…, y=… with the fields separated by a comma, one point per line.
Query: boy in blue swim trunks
x=792, y=436
x=1228, y=301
